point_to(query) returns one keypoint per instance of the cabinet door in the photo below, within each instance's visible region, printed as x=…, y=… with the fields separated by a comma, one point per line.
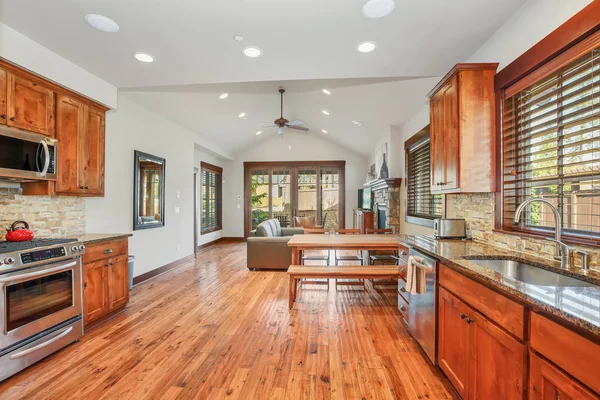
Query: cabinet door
x=547, y=382
x=95, y=295
x=437, y=141
x=498, y=362
x=118, y=284
x=69, y=124
x=3, y=93
x=451, y=147
x=92, y=152
x=454, y=341
x=30, y=106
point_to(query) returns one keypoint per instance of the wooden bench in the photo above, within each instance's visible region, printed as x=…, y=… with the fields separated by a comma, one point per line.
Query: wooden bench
x=297, y=272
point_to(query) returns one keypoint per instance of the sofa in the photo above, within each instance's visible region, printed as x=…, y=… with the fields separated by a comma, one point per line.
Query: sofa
x=267, y=246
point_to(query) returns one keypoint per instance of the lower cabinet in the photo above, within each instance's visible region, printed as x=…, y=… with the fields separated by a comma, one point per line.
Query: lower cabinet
x=548, y=382
x=480, y=359
x=105, y=280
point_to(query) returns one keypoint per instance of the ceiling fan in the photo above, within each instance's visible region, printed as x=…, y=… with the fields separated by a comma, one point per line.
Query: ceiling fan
x=283, y=123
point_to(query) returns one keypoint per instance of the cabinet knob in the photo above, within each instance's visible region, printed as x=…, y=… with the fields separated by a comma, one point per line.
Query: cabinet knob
x=403, y=290
x=403, y=270
x=3, y=116
x=403, y=252
x=106, y=265
x=463, y=316
x=13, y=119
x=402, y=308
x=108, y=251
x=85, y=285
x=469, y=320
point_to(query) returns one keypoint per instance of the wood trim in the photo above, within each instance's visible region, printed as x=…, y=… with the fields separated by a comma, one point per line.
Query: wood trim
x=271, y=164
x=461, y=67
x=379, y=184
x=576, y=29
x=418, y=137
x=56, y=88
x=222, y=239
x=211, y=167
x=161, y=270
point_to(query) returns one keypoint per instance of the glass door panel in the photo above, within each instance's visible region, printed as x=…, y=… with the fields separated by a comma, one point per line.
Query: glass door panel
x=307, y=193
x=281, y=196
x=259, y=192
x=330, y=197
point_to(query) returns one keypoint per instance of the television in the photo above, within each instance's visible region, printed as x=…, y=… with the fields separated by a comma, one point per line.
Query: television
x=365, y=199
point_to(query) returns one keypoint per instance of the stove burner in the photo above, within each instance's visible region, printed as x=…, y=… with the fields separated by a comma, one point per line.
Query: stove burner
x=8, y=247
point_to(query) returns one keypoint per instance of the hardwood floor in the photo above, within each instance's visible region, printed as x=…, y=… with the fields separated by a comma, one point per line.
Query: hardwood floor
x=211, y=329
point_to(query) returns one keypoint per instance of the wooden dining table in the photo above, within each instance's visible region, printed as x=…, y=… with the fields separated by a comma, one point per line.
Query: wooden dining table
x=301, y=243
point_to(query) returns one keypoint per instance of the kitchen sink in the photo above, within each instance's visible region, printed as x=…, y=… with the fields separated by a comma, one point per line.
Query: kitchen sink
x=529, y=274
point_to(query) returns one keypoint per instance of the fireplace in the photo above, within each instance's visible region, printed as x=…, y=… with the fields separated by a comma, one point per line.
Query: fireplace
x=382, y=212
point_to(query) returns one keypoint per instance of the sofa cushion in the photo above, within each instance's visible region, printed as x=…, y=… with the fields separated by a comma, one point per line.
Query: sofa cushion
x=269, y=228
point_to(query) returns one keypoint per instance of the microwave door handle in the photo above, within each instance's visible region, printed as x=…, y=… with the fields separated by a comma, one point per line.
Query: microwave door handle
x=46, y=157
x=38, y=274
x=42, y=345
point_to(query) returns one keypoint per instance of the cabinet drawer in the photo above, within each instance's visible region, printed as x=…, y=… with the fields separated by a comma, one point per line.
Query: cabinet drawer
x=402, y=290
x=98, y=251
x=403, y=307
x=575, y=354
x=509, y=314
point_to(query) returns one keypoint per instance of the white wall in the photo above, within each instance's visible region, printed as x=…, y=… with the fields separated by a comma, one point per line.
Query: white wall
x=130, y=128
x=305, y=147
x=201, y=155
x=531, y=23
x=21, y=50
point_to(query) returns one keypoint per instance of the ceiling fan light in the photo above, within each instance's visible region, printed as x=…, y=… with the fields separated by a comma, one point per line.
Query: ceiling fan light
x=378, y=8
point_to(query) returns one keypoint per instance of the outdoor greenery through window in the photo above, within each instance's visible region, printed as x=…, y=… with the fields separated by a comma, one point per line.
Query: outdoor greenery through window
x=420, y=203
x=211, y=198
x=551, y=134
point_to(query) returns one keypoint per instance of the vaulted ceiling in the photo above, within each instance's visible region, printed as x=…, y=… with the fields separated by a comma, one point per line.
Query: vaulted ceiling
x=307, y=45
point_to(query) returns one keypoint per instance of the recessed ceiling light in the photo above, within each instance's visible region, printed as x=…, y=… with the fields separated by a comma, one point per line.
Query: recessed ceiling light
x=238, y=38
x=378, y=8
x=289, y=147
x=252, y=51
x=356, y=123
x=366, y=47
x=326, y=91
x=242, y=115
x=258, y=133
x=144, y=57
x=223, y=96
x=325, y=112
x=324, y=131
x=101, y=23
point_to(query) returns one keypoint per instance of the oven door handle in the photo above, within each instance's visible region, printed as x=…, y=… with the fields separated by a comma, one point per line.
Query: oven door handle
x=38, y=274
x=42, y=345
x=46, y=157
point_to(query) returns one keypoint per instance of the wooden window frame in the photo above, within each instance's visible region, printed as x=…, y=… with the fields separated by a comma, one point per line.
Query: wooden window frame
x=417, y=140
x=219, y=172
x=568, y=42
x=249, y=166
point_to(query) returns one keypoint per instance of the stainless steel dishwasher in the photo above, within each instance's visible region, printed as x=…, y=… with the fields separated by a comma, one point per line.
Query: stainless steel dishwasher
x=422, y=309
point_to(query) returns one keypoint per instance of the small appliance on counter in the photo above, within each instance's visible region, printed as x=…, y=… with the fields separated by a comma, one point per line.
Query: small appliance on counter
x=449, y=228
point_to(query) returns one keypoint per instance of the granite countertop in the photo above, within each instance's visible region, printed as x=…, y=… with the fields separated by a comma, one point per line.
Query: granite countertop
x=90, y=238
x=578, y=305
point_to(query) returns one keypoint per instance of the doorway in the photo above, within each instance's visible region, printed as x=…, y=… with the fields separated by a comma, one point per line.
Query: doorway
x=284, y=190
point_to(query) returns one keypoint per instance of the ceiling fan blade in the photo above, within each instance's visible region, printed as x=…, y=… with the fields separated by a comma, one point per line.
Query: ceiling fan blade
x=298, y=128
x=295, y=122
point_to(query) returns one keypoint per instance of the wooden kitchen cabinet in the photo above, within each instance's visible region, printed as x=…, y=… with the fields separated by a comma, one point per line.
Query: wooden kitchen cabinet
x=548, y=382
x=462, y=130
x=3, y=93
x=105, y=279
x=30, y=105
x=480, y=359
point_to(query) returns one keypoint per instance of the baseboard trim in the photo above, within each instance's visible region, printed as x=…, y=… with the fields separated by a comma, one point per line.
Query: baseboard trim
x=221, y=239
x=161, y=270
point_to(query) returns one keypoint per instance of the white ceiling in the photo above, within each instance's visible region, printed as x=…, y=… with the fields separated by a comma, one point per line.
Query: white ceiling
x=303, y=41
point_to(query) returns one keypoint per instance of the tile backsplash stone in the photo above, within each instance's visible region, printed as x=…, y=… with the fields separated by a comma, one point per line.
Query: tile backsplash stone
x=48, y=216
x=478, y=210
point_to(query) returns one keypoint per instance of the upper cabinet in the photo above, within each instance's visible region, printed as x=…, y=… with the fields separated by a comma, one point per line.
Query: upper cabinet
x=3, y=116
x=462, y=113
x=30, y=106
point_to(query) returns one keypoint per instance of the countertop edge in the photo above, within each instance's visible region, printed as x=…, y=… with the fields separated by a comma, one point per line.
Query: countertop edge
x=91, y=238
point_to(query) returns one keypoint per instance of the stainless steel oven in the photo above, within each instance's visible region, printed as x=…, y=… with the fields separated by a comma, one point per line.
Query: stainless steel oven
x=26, y=156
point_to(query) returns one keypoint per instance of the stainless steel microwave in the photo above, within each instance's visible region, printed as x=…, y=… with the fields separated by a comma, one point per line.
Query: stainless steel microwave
x=26, y=156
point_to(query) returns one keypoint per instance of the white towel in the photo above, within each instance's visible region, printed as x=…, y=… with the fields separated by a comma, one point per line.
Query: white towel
x=416, y=275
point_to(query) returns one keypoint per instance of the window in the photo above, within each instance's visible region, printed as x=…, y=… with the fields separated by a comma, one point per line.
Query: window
x=551, y=149
x=211, y=198
x=421, y=206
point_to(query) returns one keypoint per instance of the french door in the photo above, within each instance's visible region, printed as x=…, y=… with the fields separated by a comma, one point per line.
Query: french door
x=294, y=189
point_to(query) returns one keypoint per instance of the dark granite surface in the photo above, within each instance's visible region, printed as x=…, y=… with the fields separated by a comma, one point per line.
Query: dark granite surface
x=90, y=238
x=578, y=305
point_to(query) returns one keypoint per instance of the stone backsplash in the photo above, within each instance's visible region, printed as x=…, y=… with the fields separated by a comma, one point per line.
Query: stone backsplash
x=48, y=216
x=478, y=210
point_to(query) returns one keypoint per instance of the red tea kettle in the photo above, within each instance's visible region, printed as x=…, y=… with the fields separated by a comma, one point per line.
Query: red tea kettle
x=17, y=233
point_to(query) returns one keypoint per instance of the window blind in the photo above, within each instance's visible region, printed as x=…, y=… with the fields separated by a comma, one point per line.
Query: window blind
x=211, y=200
x=551, y=149
x=420, y=202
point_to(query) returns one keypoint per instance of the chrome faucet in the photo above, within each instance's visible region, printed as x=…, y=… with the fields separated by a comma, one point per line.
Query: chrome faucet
x=563, y=252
